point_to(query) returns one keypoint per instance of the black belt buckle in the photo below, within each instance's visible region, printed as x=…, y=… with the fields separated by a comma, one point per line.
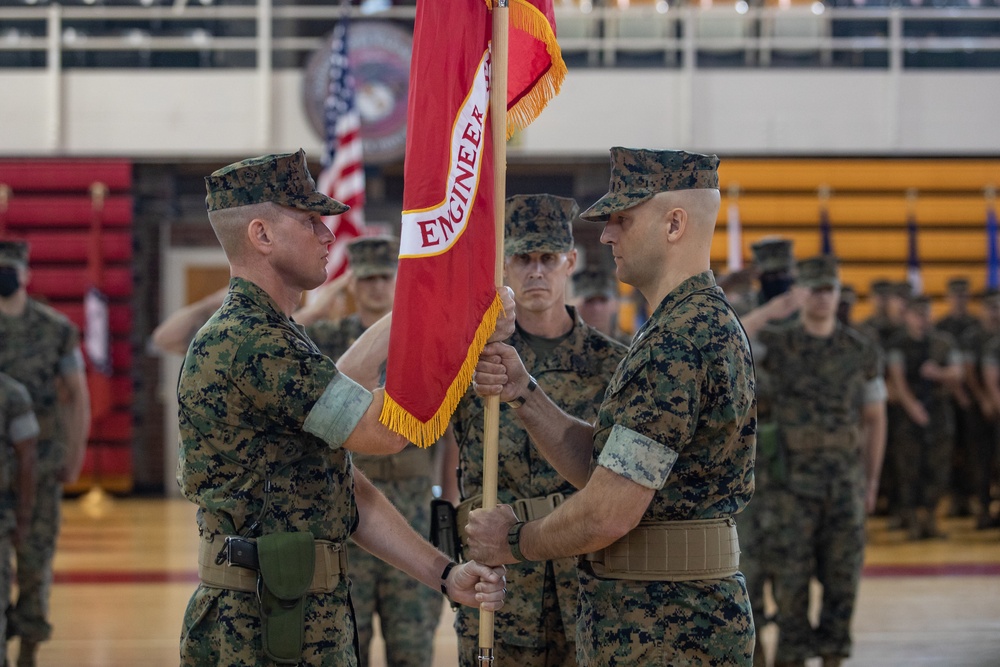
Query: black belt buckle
x=241, y=552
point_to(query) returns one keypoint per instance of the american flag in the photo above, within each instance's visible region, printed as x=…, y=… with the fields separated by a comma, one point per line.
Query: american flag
x=343, y=175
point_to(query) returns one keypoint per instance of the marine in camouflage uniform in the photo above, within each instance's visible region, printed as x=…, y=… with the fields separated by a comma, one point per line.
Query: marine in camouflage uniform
x=924, y=367
x=673, y=441
x=963, y=467
x=18, y=435
x=537, y=625
x=831, y=427
x=408, y=612
x=773, y=257
x=977, y=348
x=598, y=301
x=40, y=348
x=264, y=421
x=889, y=300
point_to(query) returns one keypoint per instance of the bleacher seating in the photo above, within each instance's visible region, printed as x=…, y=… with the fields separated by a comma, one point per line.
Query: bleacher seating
x=868, y=210
x=50, y=205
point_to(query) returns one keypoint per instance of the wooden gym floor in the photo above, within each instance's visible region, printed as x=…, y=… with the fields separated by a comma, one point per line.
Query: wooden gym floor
x=125, y=569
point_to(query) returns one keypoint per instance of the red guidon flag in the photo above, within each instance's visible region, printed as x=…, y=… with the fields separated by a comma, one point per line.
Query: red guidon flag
x=446, y=304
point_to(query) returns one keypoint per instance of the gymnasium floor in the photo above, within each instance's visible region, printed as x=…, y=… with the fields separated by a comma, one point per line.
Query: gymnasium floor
x=125, y=570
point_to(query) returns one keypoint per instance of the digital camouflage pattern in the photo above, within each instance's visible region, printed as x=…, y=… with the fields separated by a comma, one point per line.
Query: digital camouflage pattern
x=14, y=252
x=639, y=174
x=540, y=609
x=881, y=287
x=17, y=424
x=688, y=384
x=248, y=382
x=408, y=611
x=281, y=178
x=819, y=505
x=538, y=223
x=921, y=457
x=981, y=348
x=333, y=337
x=589, y=283
x=815, y=272
x=773, y=253
x=373, y=256
x=36, y=349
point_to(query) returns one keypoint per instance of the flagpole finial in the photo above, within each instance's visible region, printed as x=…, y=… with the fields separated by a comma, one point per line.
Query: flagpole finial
x=824, y=193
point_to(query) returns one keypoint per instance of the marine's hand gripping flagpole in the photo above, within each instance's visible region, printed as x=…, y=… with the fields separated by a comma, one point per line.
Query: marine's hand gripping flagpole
x=491, y=418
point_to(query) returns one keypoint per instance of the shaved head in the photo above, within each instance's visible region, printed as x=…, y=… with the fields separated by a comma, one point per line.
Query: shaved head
x=230, y=225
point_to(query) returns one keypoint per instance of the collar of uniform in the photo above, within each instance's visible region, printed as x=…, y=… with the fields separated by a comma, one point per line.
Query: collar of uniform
x=257, y=295
x=696, y=283
x=555, y=362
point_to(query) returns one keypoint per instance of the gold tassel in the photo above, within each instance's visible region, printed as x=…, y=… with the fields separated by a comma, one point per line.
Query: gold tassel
x=424, y=434
x=525, y=17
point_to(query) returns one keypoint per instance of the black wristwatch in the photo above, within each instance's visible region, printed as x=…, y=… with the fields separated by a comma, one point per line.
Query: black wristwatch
x=518, y=401
x=514, y=539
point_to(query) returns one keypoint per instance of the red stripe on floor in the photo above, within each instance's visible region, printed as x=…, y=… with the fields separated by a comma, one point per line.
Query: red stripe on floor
x=105, y=577
x=933, y=570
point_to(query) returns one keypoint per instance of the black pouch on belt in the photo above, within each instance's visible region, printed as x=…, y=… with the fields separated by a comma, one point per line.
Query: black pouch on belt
x=287, y=562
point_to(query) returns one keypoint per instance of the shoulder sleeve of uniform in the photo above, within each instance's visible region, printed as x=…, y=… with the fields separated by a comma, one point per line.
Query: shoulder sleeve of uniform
x=657, y=390
x=281, y=375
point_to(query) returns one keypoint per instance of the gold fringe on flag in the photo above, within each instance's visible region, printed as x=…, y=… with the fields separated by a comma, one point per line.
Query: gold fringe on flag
x=525, y=17
x=425, y=434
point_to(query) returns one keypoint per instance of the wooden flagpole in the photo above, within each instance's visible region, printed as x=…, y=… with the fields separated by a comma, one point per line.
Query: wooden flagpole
x=491, y=426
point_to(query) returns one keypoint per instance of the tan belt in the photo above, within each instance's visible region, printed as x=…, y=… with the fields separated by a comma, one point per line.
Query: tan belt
x=810, y=439
x=526, y=509
x=331, y=563
x=671, y=551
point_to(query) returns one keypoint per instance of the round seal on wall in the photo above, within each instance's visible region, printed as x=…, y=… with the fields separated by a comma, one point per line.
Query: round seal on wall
x=379, y=56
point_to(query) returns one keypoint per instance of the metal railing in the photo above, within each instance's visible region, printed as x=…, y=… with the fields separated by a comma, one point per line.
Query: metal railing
x=278, y=36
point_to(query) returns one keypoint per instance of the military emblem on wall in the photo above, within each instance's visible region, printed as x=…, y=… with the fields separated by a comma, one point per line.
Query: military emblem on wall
x=379, y=54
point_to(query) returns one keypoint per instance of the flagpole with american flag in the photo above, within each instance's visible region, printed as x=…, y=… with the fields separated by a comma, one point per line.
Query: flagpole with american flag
x=343, y=175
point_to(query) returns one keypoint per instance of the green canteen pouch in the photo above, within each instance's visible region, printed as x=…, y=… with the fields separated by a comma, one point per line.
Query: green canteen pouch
x=287, y=562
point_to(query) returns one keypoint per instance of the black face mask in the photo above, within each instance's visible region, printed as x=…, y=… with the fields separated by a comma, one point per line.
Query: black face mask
x=9, y=282
x=774, y=284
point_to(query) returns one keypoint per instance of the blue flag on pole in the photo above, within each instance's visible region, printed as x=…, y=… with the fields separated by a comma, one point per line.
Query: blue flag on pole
x=993, y=257
x=825, y=233
x=913, y=259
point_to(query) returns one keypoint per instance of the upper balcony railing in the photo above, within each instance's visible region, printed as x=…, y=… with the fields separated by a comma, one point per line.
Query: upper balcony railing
x=266, y=34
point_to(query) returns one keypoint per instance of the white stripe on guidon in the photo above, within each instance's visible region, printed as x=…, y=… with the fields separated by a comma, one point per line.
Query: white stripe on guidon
x=435, y=230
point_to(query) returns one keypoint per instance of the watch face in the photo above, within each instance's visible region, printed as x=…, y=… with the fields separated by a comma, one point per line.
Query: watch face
x=379, y=57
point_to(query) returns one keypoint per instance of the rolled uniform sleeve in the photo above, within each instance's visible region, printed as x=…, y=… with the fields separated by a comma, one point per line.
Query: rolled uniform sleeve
x=637, y=458
x=338, y=411
x=23, y=423
x=71, y=362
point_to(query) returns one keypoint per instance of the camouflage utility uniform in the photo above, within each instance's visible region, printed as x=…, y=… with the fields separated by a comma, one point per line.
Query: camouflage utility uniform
x=680, y=416
x=539, y=613
x=17, y=424
x=408, y=611
x=921, y=458
x=251, y=462
x=36, y=349
x=818, y=528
